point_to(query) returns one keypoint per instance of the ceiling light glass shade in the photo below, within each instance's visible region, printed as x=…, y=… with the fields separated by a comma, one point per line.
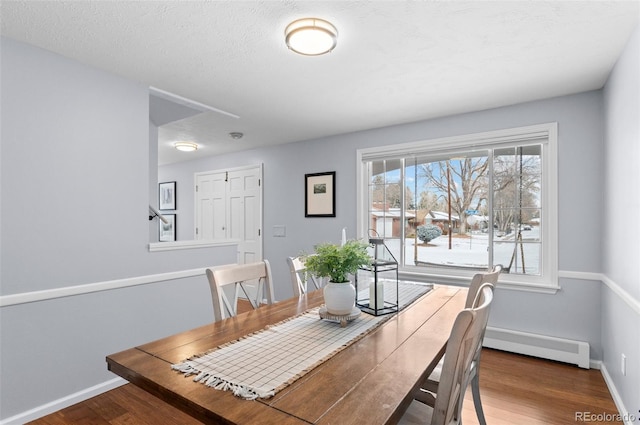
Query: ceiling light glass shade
x=185, y=146
x=311, y=36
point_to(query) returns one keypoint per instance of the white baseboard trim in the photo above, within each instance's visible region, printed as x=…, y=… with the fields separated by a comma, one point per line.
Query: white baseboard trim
x=63, y=402
x=546, y=347
x=527, y=345
x=627, y=417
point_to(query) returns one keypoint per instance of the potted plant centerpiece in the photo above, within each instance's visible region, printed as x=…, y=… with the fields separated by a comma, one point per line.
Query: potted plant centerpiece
x=337, y=262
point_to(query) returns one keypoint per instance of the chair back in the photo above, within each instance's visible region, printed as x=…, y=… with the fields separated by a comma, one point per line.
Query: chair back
x=465, y=337
x=252, y=279
x=478, y=280
x=301, y=278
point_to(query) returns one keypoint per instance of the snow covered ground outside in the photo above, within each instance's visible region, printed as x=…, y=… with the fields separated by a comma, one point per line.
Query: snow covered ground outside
x=472, y=251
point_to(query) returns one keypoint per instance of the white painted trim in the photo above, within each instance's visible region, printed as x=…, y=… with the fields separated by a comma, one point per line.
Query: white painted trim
x=362, y=226
x=464, y=281
x=69, y=291
x=260, y=224
x=61, y=403
x=188, y=102
x=172, y=246
x=622, y=410
x=620, y=292
x=617, y=289
x=538, y=345
x=580, y=275
x=47, y=294
x=231, y=169
x=495, y=137
x=529, y=287
x=545, y=134
x=549, y=205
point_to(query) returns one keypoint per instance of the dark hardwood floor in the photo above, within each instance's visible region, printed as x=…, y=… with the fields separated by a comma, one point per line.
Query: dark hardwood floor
x=515, y=390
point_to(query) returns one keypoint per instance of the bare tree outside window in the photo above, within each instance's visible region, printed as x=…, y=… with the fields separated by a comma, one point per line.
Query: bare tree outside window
x=454, y=193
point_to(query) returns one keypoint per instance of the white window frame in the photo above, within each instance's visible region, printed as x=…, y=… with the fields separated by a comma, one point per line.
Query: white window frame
x=544, y=134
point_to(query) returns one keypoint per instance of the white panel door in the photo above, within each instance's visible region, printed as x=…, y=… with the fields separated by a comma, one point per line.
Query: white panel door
x=229, y=205
x=211, y=211
x=245, y=213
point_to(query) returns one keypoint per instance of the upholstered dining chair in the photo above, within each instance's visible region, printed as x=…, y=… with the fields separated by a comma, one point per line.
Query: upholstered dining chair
x=431, y=384
x=445, y=406
x=300, y=278
x=252, y=279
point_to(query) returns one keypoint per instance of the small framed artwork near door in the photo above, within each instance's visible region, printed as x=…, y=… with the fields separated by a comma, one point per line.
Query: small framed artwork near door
x=167, y=196
x=320, y=194
x=168, y=230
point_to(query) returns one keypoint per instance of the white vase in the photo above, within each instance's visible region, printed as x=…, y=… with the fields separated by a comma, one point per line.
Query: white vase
x=339, y=298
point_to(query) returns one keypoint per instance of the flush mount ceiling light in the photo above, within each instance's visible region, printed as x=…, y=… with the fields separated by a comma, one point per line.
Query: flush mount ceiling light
x=311, y=36
x=236, y=135
x=185, y=146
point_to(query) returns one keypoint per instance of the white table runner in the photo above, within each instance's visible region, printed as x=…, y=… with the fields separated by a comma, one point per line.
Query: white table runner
x=407, y=291
x=261, y=364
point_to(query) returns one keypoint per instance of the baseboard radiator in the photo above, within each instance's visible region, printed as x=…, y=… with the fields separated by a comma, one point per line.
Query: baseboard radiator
x=546, y=347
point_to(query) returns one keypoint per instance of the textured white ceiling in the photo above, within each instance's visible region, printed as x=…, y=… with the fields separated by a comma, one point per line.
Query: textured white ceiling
x=396, y=61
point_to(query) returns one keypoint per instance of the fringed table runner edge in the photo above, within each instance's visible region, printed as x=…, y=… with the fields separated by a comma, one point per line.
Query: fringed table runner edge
x=250, y=392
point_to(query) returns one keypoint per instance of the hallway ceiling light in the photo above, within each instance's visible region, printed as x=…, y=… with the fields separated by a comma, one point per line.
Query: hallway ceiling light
x=185, y=146
x=311, y=36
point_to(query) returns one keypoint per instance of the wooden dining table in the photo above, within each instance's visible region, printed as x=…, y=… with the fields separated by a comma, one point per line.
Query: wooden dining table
x=370, y=381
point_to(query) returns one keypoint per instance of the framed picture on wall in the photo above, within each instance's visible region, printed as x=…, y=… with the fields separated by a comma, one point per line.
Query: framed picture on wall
x=320, y=194
x=168, y=230
x=167, y=196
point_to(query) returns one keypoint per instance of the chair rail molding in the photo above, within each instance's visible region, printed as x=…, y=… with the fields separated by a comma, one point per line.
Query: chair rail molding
x=191, y=244
x=622, y=293
x=70, y=291
x=87, y=288
x=617, y=289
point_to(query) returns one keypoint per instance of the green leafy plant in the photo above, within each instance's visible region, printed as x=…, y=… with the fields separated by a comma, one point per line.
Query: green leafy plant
x=336, y=262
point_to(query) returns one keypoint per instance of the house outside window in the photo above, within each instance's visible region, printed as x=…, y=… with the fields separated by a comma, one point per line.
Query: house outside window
x=449, y=208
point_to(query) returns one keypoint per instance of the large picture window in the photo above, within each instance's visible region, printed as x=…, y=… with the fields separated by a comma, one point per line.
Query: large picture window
x=448, y=208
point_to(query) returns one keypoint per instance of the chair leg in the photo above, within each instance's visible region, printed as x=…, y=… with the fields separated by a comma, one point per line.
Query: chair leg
x=475, y=390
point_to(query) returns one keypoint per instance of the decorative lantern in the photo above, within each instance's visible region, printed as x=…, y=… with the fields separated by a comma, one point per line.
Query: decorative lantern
x=377, y=283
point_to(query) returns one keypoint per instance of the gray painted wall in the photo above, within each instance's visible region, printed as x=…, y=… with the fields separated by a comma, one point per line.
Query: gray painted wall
x=621, y=201
x=574, y=312
x=75, y=193
x=53, y=123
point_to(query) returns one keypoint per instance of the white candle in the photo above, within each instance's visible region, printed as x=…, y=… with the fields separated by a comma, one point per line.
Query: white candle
x=344, y=236
x=376, y=299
